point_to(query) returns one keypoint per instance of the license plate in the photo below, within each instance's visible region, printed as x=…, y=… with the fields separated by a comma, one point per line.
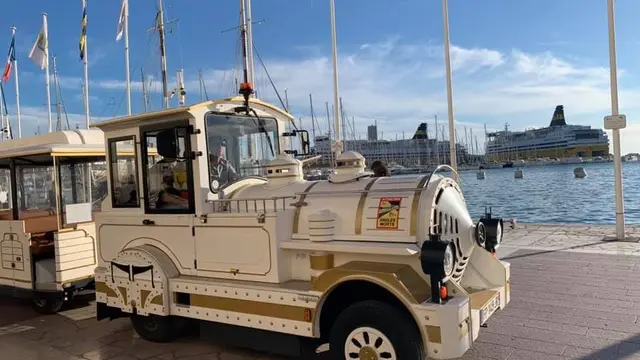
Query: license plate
x=489, y=309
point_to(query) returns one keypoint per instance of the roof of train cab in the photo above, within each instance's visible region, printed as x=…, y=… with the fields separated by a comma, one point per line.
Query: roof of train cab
x=184, y=111
x=68, y=141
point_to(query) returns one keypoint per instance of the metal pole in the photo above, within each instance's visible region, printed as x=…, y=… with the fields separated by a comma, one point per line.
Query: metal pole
x=126, y=56
x=86, y=77
x=336, y=101
x=163, y=55
x=617, y=160
x=46, y=64
x=447, y=58
x=15, y=65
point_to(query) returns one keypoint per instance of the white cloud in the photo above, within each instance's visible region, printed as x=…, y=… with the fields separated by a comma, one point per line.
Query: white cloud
x=402, y=84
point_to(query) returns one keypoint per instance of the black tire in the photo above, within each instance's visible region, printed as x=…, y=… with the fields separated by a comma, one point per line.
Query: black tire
x=154, y=328
x=395, y=325
x=47, y=303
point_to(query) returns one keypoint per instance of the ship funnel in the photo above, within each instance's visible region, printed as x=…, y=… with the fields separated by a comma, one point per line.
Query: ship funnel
x=558, y=117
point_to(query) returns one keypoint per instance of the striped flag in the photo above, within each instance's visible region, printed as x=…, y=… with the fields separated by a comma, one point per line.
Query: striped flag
x=10, y=59
x=83, y=34
x=124, y=10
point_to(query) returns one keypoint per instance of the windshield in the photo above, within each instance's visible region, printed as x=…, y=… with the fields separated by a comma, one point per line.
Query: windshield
x=239, y=146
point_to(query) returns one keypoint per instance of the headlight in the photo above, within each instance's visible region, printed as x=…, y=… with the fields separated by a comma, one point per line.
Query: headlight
x=438, y=258
x=493, y=229
x=449, y=261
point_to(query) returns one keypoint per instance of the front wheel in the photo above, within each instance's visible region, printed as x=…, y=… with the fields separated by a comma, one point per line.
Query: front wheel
x=375, y=330
x=154, y=328
x=48, y=303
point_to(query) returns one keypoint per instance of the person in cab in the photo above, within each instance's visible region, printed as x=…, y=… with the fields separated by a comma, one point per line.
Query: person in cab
x=169, y=196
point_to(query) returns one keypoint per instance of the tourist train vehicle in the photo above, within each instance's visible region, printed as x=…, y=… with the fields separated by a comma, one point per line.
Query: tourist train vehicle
x=52, y=184
x=220, y=229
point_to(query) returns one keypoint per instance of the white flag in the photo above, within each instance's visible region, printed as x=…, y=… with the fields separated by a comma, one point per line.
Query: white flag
x=124, y=10
x=40, y=49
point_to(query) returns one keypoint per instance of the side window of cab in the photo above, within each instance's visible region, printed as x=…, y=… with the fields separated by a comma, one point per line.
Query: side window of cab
x=124, y=173
x=167, y=170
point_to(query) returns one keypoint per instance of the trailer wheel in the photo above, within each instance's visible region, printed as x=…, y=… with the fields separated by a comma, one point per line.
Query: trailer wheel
x=154, y=328
x=375, y=330
x=48, y=303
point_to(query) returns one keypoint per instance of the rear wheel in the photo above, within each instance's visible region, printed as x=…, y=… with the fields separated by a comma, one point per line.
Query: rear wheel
x=375, y=330
x=48, y=303
x=155, y=328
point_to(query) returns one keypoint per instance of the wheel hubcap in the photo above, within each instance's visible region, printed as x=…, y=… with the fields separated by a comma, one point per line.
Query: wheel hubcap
x=366, y=343
x=150, y=324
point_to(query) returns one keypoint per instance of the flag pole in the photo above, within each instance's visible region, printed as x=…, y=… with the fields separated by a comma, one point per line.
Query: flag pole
x=447, y=56
x=15, y=64
x=46, y=64
x=86, y=69
x=126, y=58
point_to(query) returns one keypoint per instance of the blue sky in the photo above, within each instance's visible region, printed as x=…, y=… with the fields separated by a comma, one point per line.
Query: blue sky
x=513, y=60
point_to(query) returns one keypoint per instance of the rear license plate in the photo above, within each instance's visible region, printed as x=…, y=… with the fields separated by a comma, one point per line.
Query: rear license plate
x=489, y=308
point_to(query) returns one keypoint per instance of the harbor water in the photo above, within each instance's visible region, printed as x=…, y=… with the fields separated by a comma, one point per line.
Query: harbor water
x=552, y=194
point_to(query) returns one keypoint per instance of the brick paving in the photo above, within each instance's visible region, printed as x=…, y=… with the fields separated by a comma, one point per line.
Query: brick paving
x=573, y=297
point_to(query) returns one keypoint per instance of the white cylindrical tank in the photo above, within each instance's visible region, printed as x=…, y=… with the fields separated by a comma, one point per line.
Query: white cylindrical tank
x=384, y=209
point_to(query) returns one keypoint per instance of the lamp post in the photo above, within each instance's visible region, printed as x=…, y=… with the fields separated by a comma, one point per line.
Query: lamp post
x=615, y=122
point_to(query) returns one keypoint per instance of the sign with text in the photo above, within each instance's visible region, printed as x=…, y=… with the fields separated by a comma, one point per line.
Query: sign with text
x=388, y=215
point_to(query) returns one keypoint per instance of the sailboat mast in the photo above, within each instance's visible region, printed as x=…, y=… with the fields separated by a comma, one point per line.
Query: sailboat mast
x=243, y=34
x=55, y=85
x=145, y=98
x=313, y=121
x=249, y=35
x=163, y=55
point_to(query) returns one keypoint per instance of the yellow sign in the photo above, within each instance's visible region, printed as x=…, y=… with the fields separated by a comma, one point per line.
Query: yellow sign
x=388, y=213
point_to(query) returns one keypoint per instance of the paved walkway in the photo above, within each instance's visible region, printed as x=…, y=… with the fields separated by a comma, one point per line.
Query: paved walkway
x=573, y=297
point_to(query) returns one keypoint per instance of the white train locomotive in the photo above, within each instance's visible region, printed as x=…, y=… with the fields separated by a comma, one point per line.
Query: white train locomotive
x=218, y=225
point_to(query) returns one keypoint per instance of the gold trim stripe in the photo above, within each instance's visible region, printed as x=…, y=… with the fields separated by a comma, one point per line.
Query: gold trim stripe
x=321, y=262
x=415, y=206
x=104, y=289
x=296, y=216
x=360, y=209
x=400, y=277
x=434, y=334
x=286, y=312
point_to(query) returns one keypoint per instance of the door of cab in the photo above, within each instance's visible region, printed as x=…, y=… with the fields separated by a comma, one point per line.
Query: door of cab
x=167, y=173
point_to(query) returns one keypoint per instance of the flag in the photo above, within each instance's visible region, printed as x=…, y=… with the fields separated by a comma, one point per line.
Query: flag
x=40, y=49
x=123, y=14
x=10, y=59
x=83, y=33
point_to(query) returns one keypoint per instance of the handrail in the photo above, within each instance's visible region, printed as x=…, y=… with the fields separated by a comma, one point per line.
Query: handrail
x=227, y=202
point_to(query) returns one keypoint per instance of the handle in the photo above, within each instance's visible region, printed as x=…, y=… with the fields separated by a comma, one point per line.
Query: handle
x=148, y=222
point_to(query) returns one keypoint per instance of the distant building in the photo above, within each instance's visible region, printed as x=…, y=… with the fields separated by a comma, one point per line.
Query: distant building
x=372, y=132
x=417, y=151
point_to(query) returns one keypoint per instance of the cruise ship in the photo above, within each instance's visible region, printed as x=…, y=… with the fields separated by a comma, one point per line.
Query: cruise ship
x=557, y=141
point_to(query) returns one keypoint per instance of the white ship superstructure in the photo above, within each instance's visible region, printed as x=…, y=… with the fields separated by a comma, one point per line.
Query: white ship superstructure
x=557, y=141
